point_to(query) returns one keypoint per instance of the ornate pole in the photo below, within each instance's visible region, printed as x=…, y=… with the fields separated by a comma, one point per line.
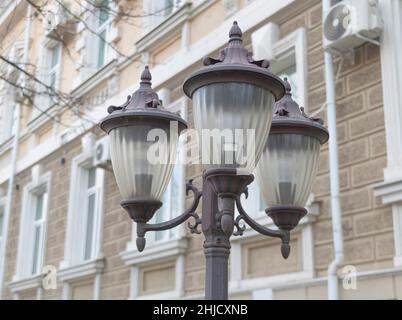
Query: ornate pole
x=216, y=246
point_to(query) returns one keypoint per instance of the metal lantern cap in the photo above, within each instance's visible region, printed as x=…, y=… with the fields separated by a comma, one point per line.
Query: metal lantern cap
x=235, y=64
x=143, y=107
x=290, y=118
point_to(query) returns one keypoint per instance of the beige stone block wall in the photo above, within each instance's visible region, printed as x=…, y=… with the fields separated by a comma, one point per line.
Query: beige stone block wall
x=82, y=291
x=384, y=287
x=261, y=258
x=157, y=278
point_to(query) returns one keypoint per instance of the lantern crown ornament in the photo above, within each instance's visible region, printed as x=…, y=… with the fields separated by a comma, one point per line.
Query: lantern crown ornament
x=235, y=63
x=290, y=118
x=233, y=93
x=143, y=104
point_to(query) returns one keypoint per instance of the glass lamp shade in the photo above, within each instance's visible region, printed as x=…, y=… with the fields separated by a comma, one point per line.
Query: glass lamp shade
x=138, y=176
x=218, y=107
x=287, y=169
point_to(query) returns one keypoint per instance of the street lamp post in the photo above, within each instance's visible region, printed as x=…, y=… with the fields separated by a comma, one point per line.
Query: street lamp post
x=232, y=92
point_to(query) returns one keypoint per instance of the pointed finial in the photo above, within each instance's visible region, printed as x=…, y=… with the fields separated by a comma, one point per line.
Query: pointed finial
x=146, y=75
x=288, y=88
x=235, y=32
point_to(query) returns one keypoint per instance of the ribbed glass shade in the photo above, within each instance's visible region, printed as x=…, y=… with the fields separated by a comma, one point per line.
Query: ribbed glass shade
x=232, y=106
x=287, y=169
x=136, y=176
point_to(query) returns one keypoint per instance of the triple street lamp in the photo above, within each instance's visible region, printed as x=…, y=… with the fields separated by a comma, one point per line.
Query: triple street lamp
x=232, y=92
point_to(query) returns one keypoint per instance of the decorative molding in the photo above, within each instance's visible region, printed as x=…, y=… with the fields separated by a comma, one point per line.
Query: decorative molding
x=107, y=71
x=263, y=41
x=155, y=252
x=9, y=9
x=230, y=7
x=81, y=271
x=166, y=30
x=17, y=286
x=282, y=52
x=391, y=48
x=390, y=190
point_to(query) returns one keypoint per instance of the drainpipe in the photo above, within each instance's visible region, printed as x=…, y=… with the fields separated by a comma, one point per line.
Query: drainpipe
x=14, y=155
x=333, y=292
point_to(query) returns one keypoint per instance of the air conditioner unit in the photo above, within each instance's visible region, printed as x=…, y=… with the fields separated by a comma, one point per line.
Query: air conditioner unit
x=102, y=153
x=350, y=23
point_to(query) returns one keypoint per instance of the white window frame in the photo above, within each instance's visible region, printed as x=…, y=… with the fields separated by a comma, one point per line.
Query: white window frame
x=171, y=248
x=99, y=29
x=390, y=190
x=7, y=120
x=7, y=95
x=44, y=101
x=151, y=22
x=75, y=266
x=283, y=54
x=23, y=278
x=87, y=45
x=2, y=227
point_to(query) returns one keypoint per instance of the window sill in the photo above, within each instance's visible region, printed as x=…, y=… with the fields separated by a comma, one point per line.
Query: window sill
x=166, y=30
x=154, y=252
x=167, y=295
x=100, y=75
x=390, y=192
x=80, y=271
x=41, y=118
x=252, y=284
x=6, y=144
x=32, y=282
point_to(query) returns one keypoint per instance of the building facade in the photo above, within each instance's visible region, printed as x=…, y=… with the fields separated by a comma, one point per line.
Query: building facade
x=63, y=234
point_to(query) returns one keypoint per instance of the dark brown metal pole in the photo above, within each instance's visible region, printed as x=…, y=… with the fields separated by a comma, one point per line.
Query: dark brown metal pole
x=216, y=247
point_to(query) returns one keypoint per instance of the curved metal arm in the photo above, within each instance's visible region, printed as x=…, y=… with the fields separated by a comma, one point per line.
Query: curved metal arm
x=143, y=228
x=284, y=235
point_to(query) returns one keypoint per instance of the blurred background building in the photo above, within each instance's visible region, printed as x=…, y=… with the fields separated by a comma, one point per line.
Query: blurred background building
x=63, y=62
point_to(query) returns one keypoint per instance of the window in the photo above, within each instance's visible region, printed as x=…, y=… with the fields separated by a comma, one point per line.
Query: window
x=171, y=207
x=97, y=40
x=159, y=10
x=90, y=201
x=31, y=247
x=40, y=204
x=85, y=213
x=8, y=110
x=54, y=67
x=8, y=120
x=102, y=24
x=49, y=73
x=1, y=229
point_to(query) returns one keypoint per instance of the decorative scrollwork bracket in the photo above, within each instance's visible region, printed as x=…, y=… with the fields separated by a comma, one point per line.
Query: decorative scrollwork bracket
x=284, y=235
x=143, y=228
